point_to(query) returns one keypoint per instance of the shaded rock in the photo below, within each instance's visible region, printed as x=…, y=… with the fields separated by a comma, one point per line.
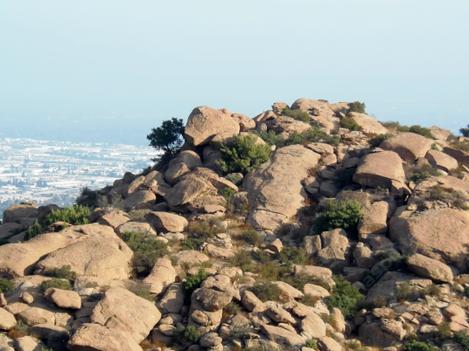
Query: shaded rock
x=23, y=213
x=282, y=336
x=126, y=312
x=278, y=314
x=173, y=299
x=36, y=315
x=326, y=343
x=409, y=146
x=251, y=302
x=429, y=268
x=206, y=124
x=140, y=199
x=335, y=246
x=114, y=218
x=275, y=191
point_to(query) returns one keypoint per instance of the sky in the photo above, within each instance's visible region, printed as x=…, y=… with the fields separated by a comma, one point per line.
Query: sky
x=110, y=70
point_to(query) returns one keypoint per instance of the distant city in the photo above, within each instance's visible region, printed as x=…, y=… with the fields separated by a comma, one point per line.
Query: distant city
x=56, y=171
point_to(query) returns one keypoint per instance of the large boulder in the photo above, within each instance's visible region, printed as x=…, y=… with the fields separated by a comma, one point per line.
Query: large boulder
x=374, y=220
x=275, y=190
x=441, y=160
x=442, y=234
x=429, y=268
x=282, y=336
x=140, y=199
x=17, y=260
x=21, y=213
x=409, y=146
x=320, y=111
x=460, y=155
x=183, y=163
x=206, y=124
x=162, y=275
x=100, y=253
x=167, y=221
x=381, y=169
x=126, y=312
x=91, y=336
x=368, y=124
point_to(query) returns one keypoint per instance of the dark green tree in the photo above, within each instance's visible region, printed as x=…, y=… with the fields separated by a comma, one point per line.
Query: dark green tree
x=168, y=137
x=465, y=131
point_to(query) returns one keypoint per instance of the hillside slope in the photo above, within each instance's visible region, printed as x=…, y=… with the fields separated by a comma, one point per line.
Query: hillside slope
x=310, y=226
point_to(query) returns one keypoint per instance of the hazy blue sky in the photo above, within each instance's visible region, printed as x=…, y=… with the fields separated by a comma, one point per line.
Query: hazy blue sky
x=109, y=70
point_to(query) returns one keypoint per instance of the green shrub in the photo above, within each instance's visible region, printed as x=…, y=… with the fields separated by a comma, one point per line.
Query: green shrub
x=358, y=107
x=64, y=272
x=6, y=285
x=422, y=131
x=462, y=339
x=462, y=145
x=243, y=154
x=192, y=283
x=452, y=197
x=312, y=343
x=290, y=256
x=251, y=237
x=271, y=138
x=57, y=283
x=192, y=243
x=147, y=249
x=296, y=114
x=191, y=334
x=33, y=230
x=267, y=291
x=142, y=290
x=313, y=135
x=243, y=260
x=419, y=174
x=349, y=123
x=343, y=214
x=227, y=193
x=378, y=139
x=75, y=215
x=465, y=131
x=168, y=137
x=344, y=296
x=415, y=345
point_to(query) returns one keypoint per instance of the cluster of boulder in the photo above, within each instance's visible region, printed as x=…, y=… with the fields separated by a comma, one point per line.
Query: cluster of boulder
x=409, y=256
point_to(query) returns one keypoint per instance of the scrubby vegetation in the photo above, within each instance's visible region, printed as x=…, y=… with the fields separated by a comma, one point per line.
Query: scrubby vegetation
x=419, y=174
x=193, y=282
x=57, y=283
x=465, y=131
x=417, y=129
x=267, y=291
x=296, y=114
x=349, y=123
x=415, y=345
x=243, y=154
x=345, y=296
x=251, y=237
x=378, y=139
x=358, y=107
x=313, y=135
x=147, y=249
x=168, y=137
x=64, y=272
x=190, y=334
x=451, y=197
x=6, y=285
x=343, y=214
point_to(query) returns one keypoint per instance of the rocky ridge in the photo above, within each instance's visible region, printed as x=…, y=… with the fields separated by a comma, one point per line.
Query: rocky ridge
x=352, y=235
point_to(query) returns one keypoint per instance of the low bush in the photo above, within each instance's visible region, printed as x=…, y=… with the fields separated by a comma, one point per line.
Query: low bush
x=312, y=343
x=313, y=135
x=419, y=174
x=358, y=107
x=192, y=283
x=57, y=283
x=296, y=114
x=465, y=131
x=378, y=139
x=415, y=345
x=462, y=338
x=343, y=214
x=345, y=297
x=462, y=145
x=290, y=256
x=417, y=129
x=6, y=285
x=243, y=154
x=451, y=197
x=64, y=272
x=251, y=237
x=147, y=249
x=350, y=124
x=271, y=138
x=75, y=215
x=190, y=335
x=267, y=291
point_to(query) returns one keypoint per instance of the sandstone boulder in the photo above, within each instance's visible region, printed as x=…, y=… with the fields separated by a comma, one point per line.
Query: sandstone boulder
x=162, y=275
x=167, y=221
x=123, y=311
x=206, y=124
x=64, y=298
x=91, y=336
x=183, y=163
x=313, y=326
x=441, y=160
x=140, y=199
x=275, y=190
x=442, y=234
x=7, y=320
x=368, y=124
x=100, y=253
x=409, y=146
x=282, y=336
x=320, y=110
x=335, y=247
x=374, y=220
x=429, y=268
x=136, y=227
x=381, y=169
x=21, y=213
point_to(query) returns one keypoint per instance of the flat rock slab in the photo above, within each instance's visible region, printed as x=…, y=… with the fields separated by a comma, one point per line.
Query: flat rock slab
x=409, y=146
